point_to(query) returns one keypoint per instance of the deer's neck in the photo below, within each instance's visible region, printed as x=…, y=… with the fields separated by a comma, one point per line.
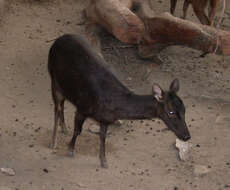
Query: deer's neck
x=139, y=107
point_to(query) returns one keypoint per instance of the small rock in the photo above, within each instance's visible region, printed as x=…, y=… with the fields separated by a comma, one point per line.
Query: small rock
x=45, y=170
x=36, y=130
x=183, y=149
x=94, y=129
x=200, y=170
x=119, y=123
x=8, y=171
x=31, y=145
x=226, y=186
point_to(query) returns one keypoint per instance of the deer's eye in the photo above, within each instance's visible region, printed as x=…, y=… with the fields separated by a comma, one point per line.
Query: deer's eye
x=171, y=113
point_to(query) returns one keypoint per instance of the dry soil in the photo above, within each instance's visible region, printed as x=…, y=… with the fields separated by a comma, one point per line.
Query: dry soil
x=141, y=154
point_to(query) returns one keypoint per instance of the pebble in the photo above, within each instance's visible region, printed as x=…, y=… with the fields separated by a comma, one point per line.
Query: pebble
x=119, y=122
x=94, y=129
x=45, y=170
x=36, y=130
x=8, y=171
x=200, y=170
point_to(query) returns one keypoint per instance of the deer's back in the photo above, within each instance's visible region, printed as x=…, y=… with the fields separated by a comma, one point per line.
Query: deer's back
x=81, y=74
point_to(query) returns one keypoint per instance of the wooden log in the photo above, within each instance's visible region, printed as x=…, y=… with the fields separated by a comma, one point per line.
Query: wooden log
x=166, y=30
x=116, y=17
x=154, y=32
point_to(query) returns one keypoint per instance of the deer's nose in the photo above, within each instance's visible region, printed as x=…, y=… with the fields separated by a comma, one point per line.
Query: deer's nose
x=186, y=138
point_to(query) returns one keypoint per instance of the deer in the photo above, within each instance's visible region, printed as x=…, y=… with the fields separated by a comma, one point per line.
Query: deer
x=80, y=75
x=199, y=7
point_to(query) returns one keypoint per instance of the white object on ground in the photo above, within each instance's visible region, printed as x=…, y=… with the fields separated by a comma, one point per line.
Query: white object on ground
x=184, y=148
x=8, y=171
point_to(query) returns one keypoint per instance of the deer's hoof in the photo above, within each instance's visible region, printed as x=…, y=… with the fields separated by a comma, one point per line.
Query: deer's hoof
x=71, y=153
x=104, y=164
x=53, y=145
x=64, y=130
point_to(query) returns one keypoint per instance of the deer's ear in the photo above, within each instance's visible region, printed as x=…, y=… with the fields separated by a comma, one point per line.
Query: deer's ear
x=174, y=86
x=157, y=92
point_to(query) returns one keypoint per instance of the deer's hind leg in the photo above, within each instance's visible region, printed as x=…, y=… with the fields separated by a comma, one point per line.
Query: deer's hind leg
x=78, y=122
x=199, y=9
x=58, y=100
x=212, y=11
x=103, y=131
x=173, y=6
x=185, y=8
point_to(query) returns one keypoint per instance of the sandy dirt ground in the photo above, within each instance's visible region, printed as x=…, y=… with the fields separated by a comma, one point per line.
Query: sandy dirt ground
x=141, y=154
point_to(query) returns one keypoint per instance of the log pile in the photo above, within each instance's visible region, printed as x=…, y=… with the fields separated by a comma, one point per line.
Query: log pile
x=134, y=22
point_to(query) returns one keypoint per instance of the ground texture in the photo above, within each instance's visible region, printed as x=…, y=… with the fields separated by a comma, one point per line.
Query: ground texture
x=141, y=154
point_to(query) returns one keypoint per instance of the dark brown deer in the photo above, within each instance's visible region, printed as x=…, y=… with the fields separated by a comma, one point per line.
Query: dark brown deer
x=80, y=75
x=199, y=7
